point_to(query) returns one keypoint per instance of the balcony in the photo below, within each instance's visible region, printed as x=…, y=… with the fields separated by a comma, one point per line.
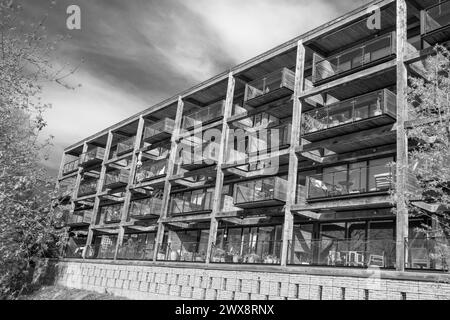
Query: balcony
x=159, y=131
x=87, y=187
x=182, y=251
x=125, y=146
x=191, y=202
x=151, y=170
x=428, y=252
x=259, y=193
x=250, y=252
x=70, y=167
x=364, y=112
x=146, y=208
x=274, y=86
x=112, y=214
x=80, y=218
x=65, y=190
x=195, y=157
x=204, y=116
x=342, y=252
x=435, y=23
x=104, y=249
x=116, y=179
x=373, y=52
x=352, y=182
x=136, y=251
x=92, y=157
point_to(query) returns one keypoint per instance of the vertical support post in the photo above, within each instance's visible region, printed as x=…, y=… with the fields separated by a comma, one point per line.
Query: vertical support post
x=126, y=202
x=169, y=173
x=78, y=180
x=293, y=159
x=402, y=141
x=100, y=183
x=228, y=108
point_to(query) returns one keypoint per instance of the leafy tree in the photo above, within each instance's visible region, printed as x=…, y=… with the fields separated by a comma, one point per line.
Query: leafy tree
x=26, y=230
x=428, y=134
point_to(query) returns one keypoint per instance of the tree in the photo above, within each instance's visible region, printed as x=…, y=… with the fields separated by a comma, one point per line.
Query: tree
x=26, y=221
x=429, y=155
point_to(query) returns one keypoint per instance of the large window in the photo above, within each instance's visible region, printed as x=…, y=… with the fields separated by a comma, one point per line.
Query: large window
x=347, y=244
x=349, y=179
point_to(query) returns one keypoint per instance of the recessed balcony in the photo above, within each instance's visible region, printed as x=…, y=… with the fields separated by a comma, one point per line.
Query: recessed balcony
x=361, y=113
x=274, y=86
x=191, y=202
x=195, y=157
x=70, y=167
x=205, y=115
x=151, y=170
x=159, y=131
x=125, y=146
x=146, y=208
x=87, y=187
x=92, y=157
x=116, y=179
x=435, y=23
x=65, y=190
x=80, y=218
x=270, y=191
x=112, y=214
x=356, y=180
x=372, y=52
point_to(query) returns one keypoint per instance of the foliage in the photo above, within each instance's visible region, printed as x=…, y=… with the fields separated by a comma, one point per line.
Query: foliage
x=26, y=231
x=429, y=137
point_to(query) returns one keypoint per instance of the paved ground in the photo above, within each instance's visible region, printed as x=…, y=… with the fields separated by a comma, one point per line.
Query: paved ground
x=63, y=293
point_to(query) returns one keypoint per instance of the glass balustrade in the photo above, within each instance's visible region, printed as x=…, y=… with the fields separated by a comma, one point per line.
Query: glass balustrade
x=260, y=252
x=270, y=190
x=148, y=207
x=116, y=178
x=92, y=156
x=271, y=87
x=125, y=146
x=70, y=167
x=368, y=106
x=111, y=213
x=377, y=49
x=354, y=181
x=87, y=187
x=436, y=17
x=159, y=131
x=343, y=252
x=204, y=115
x=191, y=202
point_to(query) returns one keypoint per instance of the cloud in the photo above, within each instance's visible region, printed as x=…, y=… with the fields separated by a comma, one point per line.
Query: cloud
x=137, y=52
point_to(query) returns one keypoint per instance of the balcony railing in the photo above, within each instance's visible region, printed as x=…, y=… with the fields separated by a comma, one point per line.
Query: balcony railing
x=151, y=170
x=80, y=218
x=428, y=253
x=191, y=202
x=436, y=17
x=135, y=251
x=112, y=213
x=144, y=208
x=273, y=86
x=337, y=118
x=87, y=187
x=349, y=182
x=116, y=179
x=263, y=252
x=376, y=50
x=101, y=250
x=125, y=146
x=65, y=190
x=204, y=154
x=182, y=251
x=204, y=115
x=260, y=192
x=159, y=131
x=91, y=157
x=70, y=167
x=343, y=252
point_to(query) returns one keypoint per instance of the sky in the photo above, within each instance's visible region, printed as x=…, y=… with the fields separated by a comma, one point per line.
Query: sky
x=133, y=54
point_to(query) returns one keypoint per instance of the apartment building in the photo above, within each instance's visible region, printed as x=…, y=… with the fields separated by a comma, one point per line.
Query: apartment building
x=283, y=160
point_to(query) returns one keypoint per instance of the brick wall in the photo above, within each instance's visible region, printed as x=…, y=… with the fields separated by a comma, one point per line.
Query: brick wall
x=171, y=282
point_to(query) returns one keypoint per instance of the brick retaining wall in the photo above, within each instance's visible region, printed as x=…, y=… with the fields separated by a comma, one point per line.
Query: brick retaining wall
x=152, y=281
